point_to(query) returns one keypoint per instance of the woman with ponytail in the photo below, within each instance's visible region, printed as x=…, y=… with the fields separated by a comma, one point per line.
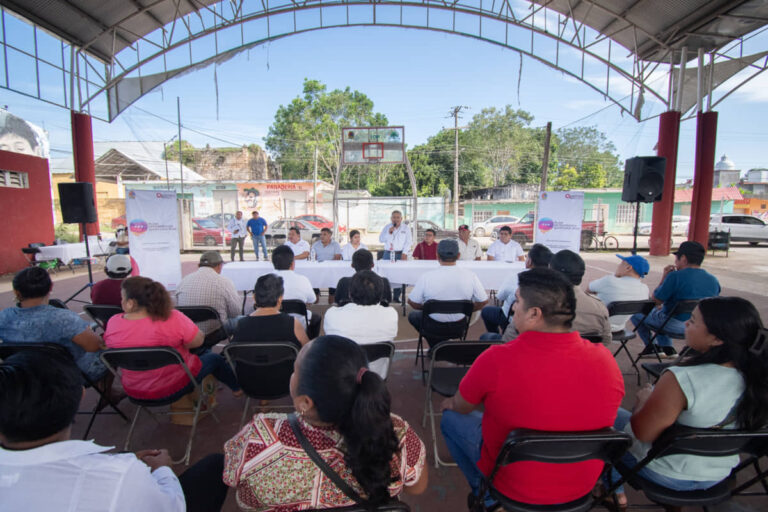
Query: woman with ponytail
x=723, y=386
x=149, y=320
x=344, y=411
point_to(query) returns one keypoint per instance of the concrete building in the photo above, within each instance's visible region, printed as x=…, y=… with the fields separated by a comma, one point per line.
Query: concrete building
x=726, y=173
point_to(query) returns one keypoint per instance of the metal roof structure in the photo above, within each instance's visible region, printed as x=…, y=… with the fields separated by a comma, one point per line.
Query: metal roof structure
x=109, y=53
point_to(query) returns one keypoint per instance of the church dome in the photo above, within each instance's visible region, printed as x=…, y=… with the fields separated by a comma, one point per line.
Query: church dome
x=725, y=164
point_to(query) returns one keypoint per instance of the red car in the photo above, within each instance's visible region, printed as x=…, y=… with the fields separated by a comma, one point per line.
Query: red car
x=320, y=222
x=207, y=232
x=118, y=221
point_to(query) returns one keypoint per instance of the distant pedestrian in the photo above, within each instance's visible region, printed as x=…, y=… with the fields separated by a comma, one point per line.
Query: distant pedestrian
x=238, y=228
x=257, y=227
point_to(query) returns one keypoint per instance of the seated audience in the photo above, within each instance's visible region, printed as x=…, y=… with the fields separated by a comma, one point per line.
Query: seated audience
x=624, y=284
x=469, y=248
x=299, y=247
x=505, y=249
x=353, y=246
x=326, y=249
x=364, y=320
x=41, y=468
x=722, y=386
x=296, y=287
x=34, y=320
x=267, y=323
x=548, y=378
x=427, y=249
x=150, y=321
x=344, y=411
x=448, y=282
x=207, y=287
x=495, y=317
x=361, y=260
x=685, y=280
x=107, y=291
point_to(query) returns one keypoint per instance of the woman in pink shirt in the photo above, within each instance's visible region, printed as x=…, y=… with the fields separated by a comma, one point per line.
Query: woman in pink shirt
x=151, y=321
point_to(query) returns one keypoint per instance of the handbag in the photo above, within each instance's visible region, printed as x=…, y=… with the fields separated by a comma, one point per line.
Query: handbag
x=343, y=486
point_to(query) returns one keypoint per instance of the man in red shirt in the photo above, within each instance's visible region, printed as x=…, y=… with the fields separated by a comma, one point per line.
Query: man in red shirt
x=107, y=291
x=426, y=250
x=548, y=378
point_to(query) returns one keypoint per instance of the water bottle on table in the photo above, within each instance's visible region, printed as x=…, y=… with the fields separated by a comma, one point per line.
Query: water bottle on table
x=392, y=253
x=312, y=256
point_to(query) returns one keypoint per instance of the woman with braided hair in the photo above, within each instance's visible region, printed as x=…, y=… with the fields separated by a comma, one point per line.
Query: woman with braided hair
x=343, y=412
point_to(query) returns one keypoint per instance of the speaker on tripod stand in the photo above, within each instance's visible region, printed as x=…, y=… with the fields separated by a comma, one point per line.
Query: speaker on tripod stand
x=643, y=183
x=78, y=207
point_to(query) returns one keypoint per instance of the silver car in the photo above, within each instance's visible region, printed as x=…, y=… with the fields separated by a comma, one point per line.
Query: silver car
x=277, y=231
x=486, y=227
x=743, y=228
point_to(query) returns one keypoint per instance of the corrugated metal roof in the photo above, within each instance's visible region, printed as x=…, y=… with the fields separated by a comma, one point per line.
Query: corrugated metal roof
x=685, y=195
x=134, y=160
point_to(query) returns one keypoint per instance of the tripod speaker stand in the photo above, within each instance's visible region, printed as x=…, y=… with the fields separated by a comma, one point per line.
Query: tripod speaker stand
x=77, y=207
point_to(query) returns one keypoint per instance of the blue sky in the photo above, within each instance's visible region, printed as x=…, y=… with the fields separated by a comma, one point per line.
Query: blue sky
x=414, y=77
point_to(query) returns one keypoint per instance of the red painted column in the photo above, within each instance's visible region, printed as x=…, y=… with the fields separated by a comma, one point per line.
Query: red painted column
x=661, y=226
x=82, y=149
x=703, y=176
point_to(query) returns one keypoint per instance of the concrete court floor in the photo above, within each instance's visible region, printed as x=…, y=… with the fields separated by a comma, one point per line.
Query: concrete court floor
x=743, y=273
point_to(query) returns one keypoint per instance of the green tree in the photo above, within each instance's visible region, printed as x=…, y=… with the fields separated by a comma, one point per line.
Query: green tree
x=592, y=154
x=171, y=153
x=566, y=178
x=313, y=121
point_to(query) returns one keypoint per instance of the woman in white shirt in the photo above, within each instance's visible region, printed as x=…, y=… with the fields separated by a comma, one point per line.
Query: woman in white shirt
x=723, y=385
x=353, y=246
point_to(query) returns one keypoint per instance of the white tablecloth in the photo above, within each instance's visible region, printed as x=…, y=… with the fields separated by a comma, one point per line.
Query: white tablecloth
x=322, y=274
x=68, y=252
x=327, y=273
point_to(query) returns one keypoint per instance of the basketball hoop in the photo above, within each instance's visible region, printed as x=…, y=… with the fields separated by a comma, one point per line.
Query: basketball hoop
x=373, y=145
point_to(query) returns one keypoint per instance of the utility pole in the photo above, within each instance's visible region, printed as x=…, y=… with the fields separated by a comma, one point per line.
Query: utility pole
x=314, y=186
x=181, y=165
x=455, y=111
x=545, y=159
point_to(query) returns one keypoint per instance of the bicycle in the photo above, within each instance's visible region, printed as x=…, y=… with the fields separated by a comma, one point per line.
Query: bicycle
x=595, y=242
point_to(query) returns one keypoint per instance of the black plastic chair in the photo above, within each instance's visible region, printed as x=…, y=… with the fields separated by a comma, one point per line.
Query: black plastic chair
x=7, y=349
x=757, y=449
x=380, y=350
x=139, y=359
x=295, y=307
x=445, y=380
x=392, y=506
x=679, y=439
x=682, y=307
x=263, y=369
x=430, y=329
x=605, y=444
x=200, y=314
x=592, y=338
x=629, y=307
x=101, y=313
x=719, y=241
x=654, y=370
x=57, y=303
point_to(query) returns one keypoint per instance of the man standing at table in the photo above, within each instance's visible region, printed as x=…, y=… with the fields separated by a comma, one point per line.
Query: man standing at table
x=505, y=249
x=299, y=247
x=469, y=248
x=238, y=228
x=426, y=250
x=257, y=226
x=327, y=249
x=396, y=238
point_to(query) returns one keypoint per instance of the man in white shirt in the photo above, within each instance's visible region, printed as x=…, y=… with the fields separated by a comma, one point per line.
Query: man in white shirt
x=327, y=249
x=364, y=320
x=496, y=317
x=469, y=248
x=396, y=236
x=505, y=249
x=624, y=284
x=239, y=228
x=296, y=287
x=42, y=469
x=448, y=282
x=207, y=287
x=299, y=247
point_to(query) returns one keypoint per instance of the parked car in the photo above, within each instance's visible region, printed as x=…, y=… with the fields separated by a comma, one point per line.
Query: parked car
x=118, y=221
x=320, y=222
x=486, y=227
x=679, y=226
x=216, y=217
x=522, y=231
x=743, y=228
x=206, y=231
x=423, y=225
x=277, y=231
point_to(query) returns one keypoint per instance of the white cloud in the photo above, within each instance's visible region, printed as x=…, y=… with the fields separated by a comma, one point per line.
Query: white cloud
x=756, y=90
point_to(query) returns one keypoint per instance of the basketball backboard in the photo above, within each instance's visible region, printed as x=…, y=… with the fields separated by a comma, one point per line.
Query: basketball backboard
x=373, y=145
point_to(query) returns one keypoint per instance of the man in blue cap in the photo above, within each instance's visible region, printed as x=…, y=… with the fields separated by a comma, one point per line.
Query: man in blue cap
x=625, y=284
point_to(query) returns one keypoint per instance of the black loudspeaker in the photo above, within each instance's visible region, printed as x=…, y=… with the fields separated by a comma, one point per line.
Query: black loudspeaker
x=643, y=179
x=77, y=205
